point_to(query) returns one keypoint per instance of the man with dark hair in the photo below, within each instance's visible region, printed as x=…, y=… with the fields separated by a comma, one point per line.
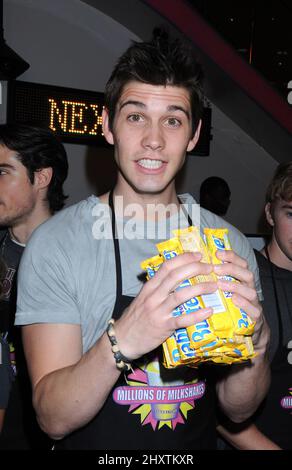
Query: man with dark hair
x=81, y=291
x=271, y=426
x=33, y=167
x=215, y=195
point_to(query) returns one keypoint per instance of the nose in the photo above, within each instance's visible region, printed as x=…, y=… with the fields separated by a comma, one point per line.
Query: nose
x=153, y=138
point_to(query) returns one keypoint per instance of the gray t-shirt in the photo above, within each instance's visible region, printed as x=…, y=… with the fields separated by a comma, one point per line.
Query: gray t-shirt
x=67, y=272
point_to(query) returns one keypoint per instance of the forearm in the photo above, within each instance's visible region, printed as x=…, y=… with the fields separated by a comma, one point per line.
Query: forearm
x=241, y=392
x=249, y=438
x=68, y=398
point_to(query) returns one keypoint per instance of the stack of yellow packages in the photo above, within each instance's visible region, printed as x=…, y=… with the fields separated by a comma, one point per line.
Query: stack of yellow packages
x=223, y=338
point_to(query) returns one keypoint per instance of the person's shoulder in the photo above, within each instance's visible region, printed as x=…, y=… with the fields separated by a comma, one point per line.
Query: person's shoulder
x=239, y=242
x=211, y=220
x=66, y=224
x=207, y=219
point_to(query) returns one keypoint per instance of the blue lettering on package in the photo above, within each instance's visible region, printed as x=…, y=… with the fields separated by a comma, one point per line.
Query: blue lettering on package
x=175, y=355
x=219, y=243
x=185, y=283
x=150, y=272
x=177, y=311
x=187, y=350
x=183, y=341
x=209, y=345
x=244, y=320
x=227, y=295
x=169, y=254
x=238, y=352
x=203, y=330
x=192, y=305
x=181, y=335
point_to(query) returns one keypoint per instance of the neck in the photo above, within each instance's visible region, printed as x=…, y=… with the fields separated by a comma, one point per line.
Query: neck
x=147, y=203
x=277, y=256
x=21, y=231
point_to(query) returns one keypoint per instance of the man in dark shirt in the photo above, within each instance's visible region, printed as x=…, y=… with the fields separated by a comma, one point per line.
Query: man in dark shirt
x=33, y=167
x=271, y=427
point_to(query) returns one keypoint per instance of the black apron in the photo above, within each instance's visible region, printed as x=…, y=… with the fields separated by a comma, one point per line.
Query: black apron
x=274, y=417
x=139, y=412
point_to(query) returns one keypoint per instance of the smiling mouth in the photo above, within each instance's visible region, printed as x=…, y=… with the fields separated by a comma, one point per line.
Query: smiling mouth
x=150, y=164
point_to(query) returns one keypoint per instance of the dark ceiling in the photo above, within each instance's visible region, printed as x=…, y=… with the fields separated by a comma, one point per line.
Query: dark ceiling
x=259, y=30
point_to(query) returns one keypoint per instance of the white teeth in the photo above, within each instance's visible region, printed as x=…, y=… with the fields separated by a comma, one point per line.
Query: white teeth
x=150, y=164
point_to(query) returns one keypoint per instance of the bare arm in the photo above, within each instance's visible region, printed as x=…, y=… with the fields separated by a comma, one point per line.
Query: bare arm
x=70, y=388
x=243, y=389
x=250, y=438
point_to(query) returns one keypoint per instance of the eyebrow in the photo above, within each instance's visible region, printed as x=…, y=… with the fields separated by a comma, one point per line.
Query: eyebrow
x=170, y=108
x=133, y=102
x=287, y=206
x=175, y=107
x=7, y=165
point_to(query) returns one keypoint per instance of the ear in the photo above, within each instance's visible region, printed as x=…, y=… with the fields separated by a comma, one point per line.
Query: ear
x=269, y=215
x=43, y=177
x=105, y=127
x=194, y=140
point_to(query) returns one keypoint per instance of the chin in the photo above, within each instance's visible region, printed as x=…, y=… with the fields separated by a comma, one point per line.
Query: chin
x=150, y=191
x=144, y=188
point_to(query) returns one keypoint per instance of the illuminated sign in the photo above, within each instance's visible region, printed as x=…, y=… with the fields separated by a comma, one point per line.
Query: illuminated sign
x=74, y=115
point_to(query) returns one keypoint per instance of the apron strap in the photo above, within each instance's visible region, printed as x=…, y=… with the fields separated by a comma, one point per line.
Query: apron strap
x=280, y=322
x=119, y=288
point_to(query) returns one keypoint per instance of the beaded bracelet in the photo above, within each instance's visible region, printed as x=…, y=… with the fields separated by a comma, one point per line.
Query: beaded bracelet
x=122, y=362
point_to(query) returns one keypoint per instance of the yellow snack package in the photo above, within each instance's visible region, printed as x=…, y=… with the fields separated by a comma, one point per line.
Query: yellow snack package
x=191, y=241
x=222, y=338
x=201, y=333
x=186, y=352
x=220, y=321
x=217, y=239
x=171, y=356
x=170, y=348
x=168, y=250
x=246, y=348
x=151, y=265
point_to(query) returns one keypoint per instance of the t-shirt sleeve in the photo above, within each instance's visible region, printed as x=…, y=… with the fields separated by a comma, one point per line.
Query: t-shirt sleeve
x=239, y=244
x=45, y=285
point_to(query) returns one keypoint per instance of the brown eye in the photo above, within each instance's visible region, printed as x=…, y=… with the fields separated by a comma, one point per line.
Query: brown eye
x=173, y=122
x=135, y=118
